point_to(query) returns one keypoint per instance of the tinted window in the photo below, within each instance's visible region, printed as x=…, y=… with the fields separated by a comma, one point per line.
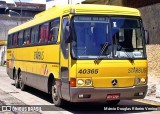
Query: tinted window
x=27, y=36
x=9, y=40
x=15, y=39
x=53, y=30
x=127, y=38
x=44, y=33
x=64, y=45
x=20, y=38
x=34, y=34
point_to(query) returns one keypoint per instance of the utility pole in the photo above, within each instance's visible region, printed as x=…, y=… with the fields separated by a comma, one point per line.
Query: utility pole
x=21, y=7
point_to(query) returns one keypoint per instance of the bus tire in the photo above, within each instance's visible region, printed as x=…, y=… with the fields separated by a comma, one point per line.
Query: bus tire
x=55, y=96
x=21, y=83
x=16, y=79
x=113, y=103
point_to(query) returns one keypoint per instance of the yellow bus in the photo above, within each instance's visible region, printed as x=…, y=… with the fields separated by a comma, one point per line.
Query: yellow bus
x=81, y=53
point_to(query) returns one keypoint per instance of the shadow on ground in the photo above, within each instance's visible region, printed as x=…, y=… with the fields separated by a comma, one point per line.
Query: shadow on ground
x=125, y=106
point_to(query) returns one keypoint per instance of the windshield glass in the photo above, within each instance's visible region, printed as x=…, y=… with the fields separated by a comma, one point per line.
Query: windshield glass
x=91, y=33
x=127, y=38
x=123, y=37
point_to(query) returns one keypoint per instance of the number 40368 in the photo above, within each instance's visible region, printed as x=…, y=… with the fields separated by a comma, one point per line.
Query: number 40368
x=88, y=71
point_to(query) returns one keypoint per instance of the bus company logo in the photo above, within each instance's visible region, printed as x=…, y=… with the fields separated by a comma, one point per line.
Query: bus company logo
x=6, y=108
x=114, y=82
x=39, y=55
x=137, y=70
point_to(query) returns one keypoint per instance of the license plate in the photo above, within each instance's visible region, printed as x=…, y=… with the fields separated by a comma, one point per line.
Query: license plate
x=113, y=97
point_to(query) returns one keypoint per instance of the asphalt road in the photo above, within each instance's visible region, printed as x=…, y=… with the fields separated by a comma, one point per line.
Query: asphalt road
x=10, y=95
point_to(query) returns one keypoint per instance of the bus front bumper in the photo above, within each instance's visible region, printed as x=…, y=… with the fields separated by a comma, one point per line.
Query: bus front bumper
x=90, y=94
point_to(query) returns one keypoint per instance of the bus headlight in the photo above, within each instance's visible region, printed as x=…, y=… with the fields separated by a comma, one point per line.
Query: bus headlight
x=139, y=81
x=143, y=80
x=88, y=82
x=80, y=82
x=84, y=82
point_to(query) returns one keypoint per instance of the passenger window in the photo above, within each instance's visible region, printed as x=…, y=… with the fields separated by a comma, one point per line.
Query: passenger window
x=44, y=32
x=20, y=38
x=15, y=39
x=10, y=40
x=26, y=37
x=53, y=30
x=34, y=34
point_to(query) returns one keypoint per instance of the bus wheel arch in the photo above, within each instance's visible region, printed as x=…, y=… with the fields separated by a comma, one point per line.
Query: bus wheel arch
x=52, y=89
x=14, y=71
x=21, y=81
x=56, y=97
x=19, y=70
x=15, y=77
x=50, y=81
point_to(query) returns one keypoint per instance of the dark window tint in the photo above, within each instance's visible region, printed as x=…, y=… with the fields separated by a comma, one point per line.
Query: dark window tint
x=34, y=34
x=9, y=40
x=64, y=45
x=15, y=39
x=53, y=31
x=27, y=36
x=44, y=33
x=20, y=38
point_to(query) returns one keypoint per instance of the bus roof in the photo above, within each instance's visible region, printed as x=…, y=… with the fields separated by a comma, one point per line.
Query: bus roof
x=58, y=11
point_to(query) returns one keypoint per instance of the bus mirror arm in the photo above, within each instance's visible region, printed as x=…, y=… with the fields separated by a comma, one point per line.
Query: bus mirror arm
x=146, y=34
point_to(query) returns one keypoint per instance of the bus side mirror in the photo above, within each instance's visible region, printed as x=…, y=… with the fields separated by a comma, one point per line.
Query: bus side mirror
x=146, y=33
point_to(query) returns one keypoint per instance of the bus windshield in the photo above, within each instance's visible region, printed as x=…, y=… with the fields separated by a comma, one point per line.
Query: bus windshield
x=127, y=37
x=123, y=36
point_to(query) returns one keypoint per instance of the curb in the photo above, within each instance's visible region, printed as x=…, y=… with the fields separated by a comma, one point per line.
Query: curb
x=147, y=101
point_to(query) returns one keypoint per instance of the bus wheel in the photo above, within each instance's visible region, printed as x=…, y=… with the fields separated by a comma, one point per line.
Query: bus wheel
x=113, y=103
x=21, y=83
x=55, y=96
x=16, y=80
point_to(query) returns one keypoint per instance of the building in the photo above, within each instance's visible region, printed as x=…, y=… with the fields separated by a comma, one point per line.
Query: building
x=150, y=10
x=12, y=15
x=2, y=52
x=110, y=2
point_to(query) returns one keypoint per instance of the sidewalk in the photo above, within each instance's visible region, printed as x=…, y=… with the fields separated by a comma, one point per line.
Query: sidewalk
x=7, y=99
x=153, y=81
x=153, y=57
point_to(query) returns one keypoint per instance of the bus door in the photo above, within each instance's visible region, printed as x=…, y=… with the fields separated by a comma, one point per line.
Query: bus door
x=64, y=60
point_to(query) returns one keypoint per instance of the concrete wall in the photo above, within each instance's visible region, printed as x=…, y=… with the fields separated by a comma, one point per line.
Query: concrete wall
x=7, y=23
x=116, y=2
x=150, y=16
x=3, y=54
x=111, y=2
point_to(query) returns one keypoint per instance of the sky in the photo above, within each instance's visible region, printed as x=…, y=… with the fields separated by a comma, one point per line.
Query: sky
x=41, y=1
x=32, y=1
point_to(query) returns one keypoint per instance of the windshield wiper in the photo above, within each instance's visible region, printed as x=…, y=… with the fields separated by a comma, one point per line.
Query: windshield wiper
x=128, y=55
x=131, y=58
x=101, y=51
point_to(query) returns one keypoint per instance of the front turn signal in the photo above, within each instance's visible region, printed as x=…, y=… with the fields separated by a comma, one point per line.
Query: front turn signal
x=72, y=82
